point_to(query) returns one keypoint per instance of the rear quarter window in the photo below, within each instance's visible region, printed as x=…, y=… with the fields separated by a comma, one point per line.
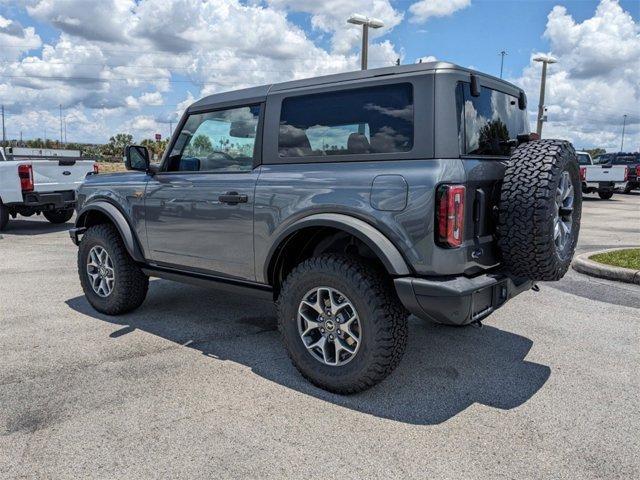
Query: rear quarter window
x=486, y=123
x=583, y=159
x=348, y=122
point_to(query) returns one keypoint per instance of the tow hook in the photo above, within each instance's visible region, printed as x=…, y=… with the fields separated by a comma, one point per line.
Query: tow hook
x=535, y=287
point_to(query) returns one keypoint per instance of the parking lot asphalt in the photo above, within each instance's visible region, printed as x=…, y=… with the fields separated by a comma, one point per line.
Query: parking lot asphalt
x=196, y=383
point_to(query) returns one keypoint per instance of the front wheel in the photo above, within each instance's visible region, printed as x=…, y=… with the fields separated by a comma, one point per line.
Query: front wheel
x=605, y=195
x=342, y=323
x=112, y=282
x=59, y=216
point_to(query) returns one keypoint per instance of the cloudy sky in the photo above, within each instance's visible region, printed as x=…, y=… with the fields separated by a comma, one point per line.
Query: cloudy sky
x=133, y=66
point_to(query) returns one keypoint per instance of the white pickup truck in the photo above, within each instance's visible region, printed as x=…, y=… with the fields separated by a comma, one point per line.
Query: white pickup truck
x=601, y=179
x=46, y=183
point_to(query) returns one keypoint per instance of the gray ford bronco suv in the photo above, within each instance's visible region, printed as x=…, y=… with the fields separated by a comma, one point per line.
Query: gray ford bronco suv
x=352, y=200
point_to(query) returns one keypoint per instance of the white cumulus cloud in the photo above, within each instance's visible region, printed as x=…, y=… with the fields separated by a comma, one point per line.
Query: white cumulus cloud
x=425, y=9
x=595, y=80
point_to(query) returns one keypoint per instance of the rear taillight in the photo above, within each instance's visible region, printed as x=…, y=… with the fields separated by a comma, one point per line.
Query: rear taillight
x=583, y=174
x=627, y=172
x=638, y=172
x=96, y=168
x=25, y=172
x=450, y=215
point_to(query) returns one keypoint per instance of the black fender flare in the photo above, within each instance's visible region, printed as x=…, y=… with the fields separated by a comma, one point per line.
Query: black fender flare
x=119, y=220
x=384, y=249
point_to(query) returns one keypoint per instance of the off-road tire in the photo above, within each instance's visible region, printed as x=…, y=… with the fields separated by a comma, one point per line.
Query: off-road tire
x=4, y=217
x=384, y=322
x=131, y=284
x=59, y=216
x=605, y=195
x=527, y=210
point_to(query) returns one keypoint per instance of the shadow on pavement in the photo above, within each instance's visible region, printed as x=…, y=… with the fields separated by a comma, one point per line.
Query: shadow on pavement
x=19, y=226
x=444, y=371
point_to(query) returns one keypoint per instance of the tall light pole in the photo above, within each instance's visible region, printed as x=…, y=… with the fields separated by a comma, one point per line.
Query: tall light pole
x=366, y=22
x=61, y=138
x=4, y=133
x=545, y=61
x=624, y=124
x=502, y=54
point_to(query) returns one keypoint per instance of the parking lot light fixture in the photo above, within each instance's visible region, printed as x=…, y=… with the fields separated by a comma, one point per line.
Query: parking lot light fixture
x=545, y=60
x=366, y=22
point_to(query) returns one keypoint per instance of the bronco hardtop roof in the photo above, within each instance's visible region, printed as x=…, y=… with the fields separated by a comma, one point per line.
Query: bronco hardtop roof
x=259, y=94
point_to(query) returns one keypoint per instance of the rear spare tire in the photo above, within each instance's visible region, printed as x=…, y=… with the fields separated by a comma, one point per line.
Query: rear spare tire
x=539, y=211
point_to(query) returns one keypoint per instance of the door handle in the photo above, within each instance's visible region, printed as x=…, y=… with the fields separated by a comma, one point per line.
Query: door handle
x=233, y=198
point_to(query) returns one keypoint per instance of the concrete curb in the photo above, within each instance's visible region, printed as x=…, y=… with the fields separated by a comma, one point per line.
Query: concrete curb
x=583, y=264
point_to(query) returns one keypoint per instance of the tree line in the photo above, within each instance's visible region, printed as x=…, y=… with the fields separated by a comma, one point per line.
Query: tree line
x=111, y=151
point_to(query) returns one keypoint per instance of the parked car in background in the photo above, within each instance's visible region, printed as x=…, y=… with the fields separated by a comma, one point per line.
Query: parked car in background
x=600, y=179
x=35, y=181
x=631, y=161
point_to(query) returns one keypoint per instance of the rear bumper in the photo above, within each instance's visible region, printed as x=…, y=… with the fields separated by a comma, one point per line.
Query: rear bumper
x=458, y=300
x=600, y=185
x=56, y=200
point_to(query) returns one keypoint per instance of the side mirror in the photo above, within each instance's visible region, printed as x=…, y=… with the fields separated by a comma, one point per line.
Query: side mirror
x=136, y=157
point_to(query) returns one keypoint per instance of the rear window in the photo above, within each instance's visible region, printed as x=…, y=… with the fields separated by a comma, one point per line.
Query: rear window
x=486, y=123
x=348, y=122
x=583, y=159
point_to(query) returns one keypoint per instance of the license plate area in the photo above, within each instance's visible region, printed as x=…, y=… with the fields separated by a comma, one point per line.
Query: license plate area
x=488, y=299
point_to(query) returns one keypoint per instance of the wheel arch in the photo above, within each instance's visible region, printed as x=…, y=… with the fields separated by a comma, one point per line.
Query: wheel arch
x=103, y=211
x=380, y=246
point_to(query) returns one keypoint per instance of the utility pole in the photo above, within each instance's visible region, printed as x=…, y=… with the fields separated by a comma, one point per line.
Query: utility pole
x=4, y=133
x=624, y=124
x=65, y=130
x=502, y=54
x=61, y=125
x=366, y=22
x=545, y=61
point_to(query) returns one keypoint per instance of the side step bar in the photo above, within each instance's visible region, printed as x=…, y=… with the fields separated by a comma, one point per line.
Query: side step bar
x=257, y=290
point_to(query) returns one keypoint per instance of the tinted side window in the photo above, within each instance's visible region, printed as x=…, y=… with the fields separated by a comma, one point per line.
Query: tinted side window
x=348, y=122
x=489, y=121
x=220, y=141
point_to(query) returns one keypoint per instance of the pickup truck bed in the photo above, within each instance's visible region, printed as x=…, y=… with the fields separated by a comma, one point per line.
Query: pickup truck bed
x=44, y=185
x=603, y=179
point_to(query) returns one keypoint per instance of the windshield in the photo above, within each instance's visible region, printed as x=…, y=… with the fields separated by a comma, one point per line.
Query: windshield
x=583, y=159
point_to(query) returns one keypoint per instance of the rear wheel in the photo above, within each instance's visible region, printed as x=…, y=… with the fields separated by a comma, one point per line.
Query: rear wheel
x=112, y=282
x=4, y=217
x=59, y=216
x=342, y=324
x=605, y=195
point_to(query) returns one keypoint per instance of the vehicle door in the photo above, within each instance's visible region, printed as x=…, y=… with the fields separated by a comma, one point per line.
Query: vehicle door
x=199, y=207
